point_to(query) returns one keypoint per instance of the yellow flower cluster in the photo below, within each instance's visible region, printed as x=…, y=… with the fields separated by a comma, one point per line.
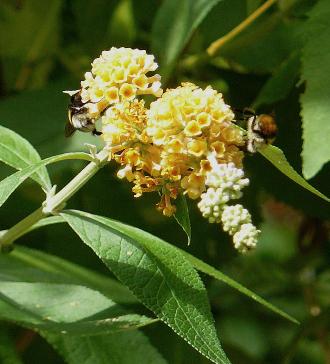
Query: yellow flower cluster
x=119, y=75
x=165, y=148
x=184, y=142
x=188, y=124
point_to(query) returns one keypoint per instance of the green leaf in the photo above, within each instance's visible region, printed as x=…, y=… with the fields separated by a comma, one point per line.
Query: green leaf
x=280, y=83
x=198, y=264
x=9, y=184
x=105, y=325
x=264, y=45
x=65, y=308
x=174, y=24
x=92, y=23
x=31, y=30
x=226, y=15
x=315, y=101
x=51, y=220
x=19, y=153
x=119, y=348
x=8, y=353
x=30, y=265
x=277, y=158
x=157, y=273
x=208, y=269
x=182, y=215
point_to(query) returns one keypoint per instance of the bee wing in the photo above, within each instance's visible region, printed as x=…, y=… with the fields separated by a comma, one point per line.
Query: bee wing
x=69, y=129
x=71, y=93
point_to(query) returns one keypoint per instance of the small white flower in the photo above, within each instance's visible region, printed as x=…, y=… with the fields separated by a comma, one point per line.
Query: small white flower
x=246, y=238
x=233, y=217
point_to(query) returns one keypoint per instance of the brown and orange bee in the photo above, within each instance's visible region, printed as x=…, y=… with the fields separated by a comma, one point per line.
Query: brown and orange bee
x=261, y=129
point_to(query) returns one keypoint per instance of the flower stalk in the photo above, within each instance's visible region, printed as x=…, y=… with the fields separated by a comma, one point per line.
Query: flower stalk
x=216, y=45
x=53, y=203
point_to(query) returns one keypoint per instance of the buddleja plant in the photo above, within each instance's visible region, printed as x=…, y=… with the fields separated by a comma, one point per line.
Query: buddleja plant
x=184, y=143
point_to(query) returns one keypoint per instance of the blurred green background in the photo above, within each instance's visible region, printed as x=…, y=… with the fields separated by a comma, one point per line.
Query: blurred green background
x=45, y=48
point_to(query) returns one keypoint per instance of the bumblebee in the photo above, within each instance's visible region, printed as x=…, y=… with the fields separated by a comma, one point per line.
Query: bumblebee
x=79, y=117
x=261, y=129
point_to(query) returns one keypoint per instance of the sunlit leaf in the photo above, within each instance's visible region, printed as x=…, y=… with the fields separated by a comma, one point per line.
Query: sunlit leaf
x=30, y=265
x=198, y=264
x=278, y=159
x=315, y=101
x=68, y=308
x=9, y=184
x=158, y=274
x=19, y=153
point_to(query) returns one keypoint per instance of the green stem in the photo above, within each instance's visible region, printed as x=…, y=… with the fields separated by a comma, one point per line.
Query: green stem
x=54, y=203
x=77, y=182
x=19, y=229
x=216, y=45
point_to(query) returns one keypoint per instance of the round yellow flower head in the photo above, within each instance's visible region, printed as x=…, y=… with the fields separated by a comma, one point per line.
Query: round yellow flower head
x=189, y=123
x=119, y=75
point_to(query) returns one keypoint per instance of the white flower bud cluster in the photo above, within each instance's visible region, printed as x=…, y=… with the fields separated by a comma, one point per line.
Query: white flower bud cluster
x=211, y=204
x=228, y=179
x=233, y=217
x=246, y=238
x=225, y=182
